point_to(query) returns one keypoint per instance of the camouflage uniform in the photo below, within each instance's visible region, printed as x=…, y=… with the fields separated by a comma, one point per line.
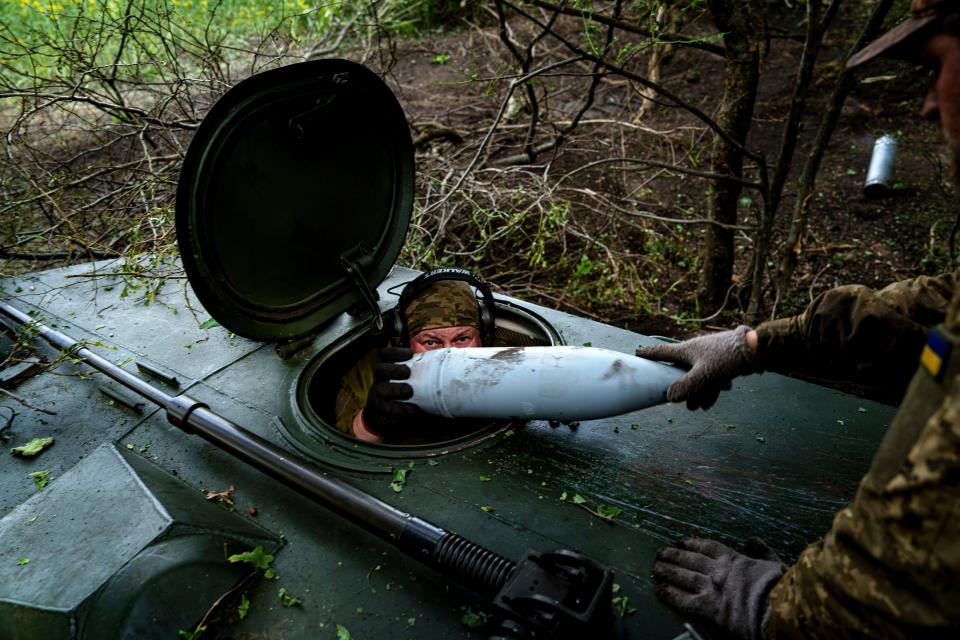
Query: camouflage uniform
x=857, y=334
x=890, y=566
x=447, y=303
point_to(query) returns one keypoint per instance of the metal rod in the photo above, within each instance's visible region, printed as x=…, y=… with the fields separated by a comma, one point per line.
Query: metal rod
x=476, y=567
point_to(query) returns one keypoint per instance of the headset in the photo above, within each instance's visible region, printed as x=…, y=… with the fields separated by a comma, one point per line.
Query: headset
x=486, y=309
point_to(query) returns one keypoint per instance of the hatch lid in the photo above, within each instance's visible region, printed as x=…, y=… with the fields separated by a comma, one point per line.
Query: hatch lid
x=294, y=178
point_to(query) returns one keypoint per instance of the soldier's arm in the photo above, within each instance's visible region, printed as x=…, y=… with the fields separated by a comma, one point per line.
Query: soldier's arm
x=888, y=568
x=856, y=333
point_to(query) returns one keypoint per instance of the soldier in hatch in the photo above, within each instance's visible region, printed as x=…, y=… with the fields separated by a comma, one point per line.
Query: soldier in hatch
x=437, y=310
x=890, y=566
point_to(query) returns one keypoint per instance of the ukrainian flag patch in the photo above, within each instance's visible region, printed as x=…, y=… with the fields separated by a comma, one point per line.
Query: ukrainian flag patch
x=935, y=355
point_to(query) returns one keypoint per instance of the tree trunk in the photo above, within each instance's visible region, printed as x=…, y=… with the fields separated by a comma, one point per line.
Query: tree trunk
x=657, y=53
x=817, y=23
x=807, y=182
x=740, y=22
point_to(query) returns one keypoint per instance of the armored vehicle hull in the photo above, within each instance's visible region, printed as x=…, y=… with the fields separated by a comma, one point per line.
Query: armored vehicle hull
x=121, y=542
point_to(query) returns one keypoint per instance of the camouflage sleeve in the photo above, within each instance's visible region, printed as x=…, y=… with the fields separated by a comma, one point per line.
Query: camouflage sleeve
x=354, y=387
x=858, y=334
x=889, y=567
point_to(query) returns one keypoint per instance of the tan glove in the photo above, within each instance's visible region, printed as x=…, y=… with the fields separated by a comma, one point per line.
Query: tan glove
x=714, y=360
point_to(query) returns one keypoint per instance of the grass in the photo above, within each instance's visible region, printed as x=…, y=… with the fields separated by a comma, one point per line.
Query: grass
x=38, y=38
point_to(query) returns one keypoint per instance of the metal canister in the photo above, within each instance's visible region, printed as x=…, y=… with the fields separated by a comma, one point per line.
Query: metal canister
x=879, y=182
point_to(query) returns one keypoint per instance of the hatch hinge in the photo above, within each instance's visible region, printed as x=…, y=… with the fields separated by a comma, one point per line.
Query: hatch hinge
x=290, y=348
x=351, y=262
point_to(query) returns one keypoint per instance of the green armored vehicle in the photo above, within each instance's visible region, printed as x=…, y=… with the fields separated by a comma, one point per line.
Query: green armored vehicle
x=201, y=490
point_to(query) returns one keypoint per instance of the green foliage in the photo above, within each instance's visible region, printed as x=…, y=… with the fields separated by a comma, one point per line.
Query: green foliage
x=286, y=599
x=244, y=606
x=399, y=480
x=260, y=560
x=621, y=604
x=473, y=618
x=41, y=478
x=192, y=635
x=33, y=447
x=343, y=633
x=608, y=511
x=58, y=36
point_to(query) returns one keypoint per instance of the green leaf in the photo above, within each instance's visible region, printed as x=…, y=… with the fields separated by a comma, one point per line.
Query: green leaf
x=474, y=619
x=192, y=635
x=210, y=323
x=342, y=633
x=411, y=621
x=244, y=606
x=433, y=462
x=487, y=509
x=399, y=480
x=440, y=58
x=259, y=558
x=761, y=439
x=485, y=478
x=286, y=599
x=40, y=478
x=33, y=447
x=608, y=511
x=621, y=604
x=23, y=561
x=578, y=499
x=563, y=496
x=862, y=409
x=588, y=343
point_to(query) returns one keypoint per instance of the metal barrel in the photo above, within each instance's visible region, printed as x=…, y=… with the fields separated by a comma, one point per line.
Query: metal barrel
x=879, y=182
x=475, y=567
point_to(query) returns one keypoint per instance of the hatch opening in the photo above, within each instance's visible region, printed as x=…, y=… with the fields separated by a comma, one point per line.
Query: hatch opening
x=316, y=434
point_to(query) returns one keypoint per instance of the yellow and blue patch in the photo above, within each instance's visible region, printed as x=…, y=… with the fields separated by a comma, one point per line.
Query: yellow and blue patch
x=935, y=355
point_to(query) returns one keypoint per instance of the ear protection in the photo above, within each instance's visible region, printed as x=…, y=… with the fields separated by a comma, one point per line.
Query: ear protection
x=485, y=305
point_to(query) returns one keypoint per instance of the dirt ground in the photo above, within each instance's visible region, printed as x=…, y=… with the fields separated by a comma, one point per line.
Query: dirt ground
x=619, y=241
x=851, y=239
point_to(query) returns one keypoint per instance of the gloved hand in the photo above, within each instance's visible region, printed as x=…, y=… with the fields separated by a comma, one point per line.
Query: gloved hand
x=711, y=581
x=714, y=360
x=385, y=414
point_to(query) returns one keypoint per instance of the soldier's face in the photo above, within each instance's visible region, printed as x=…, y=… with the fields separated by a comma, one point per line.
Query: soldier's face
x=445, y=337
x=942, y=53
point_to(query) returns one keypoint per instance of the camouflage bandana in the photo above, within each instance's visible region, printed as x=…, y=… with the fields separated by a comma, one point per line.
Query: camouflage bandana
x=447, y=303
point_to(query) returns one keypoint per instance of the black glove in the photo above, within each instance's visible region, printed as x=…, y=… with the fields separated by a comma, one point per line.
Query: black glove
x=384, y=413
x=711, y=581
x=714, y=360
